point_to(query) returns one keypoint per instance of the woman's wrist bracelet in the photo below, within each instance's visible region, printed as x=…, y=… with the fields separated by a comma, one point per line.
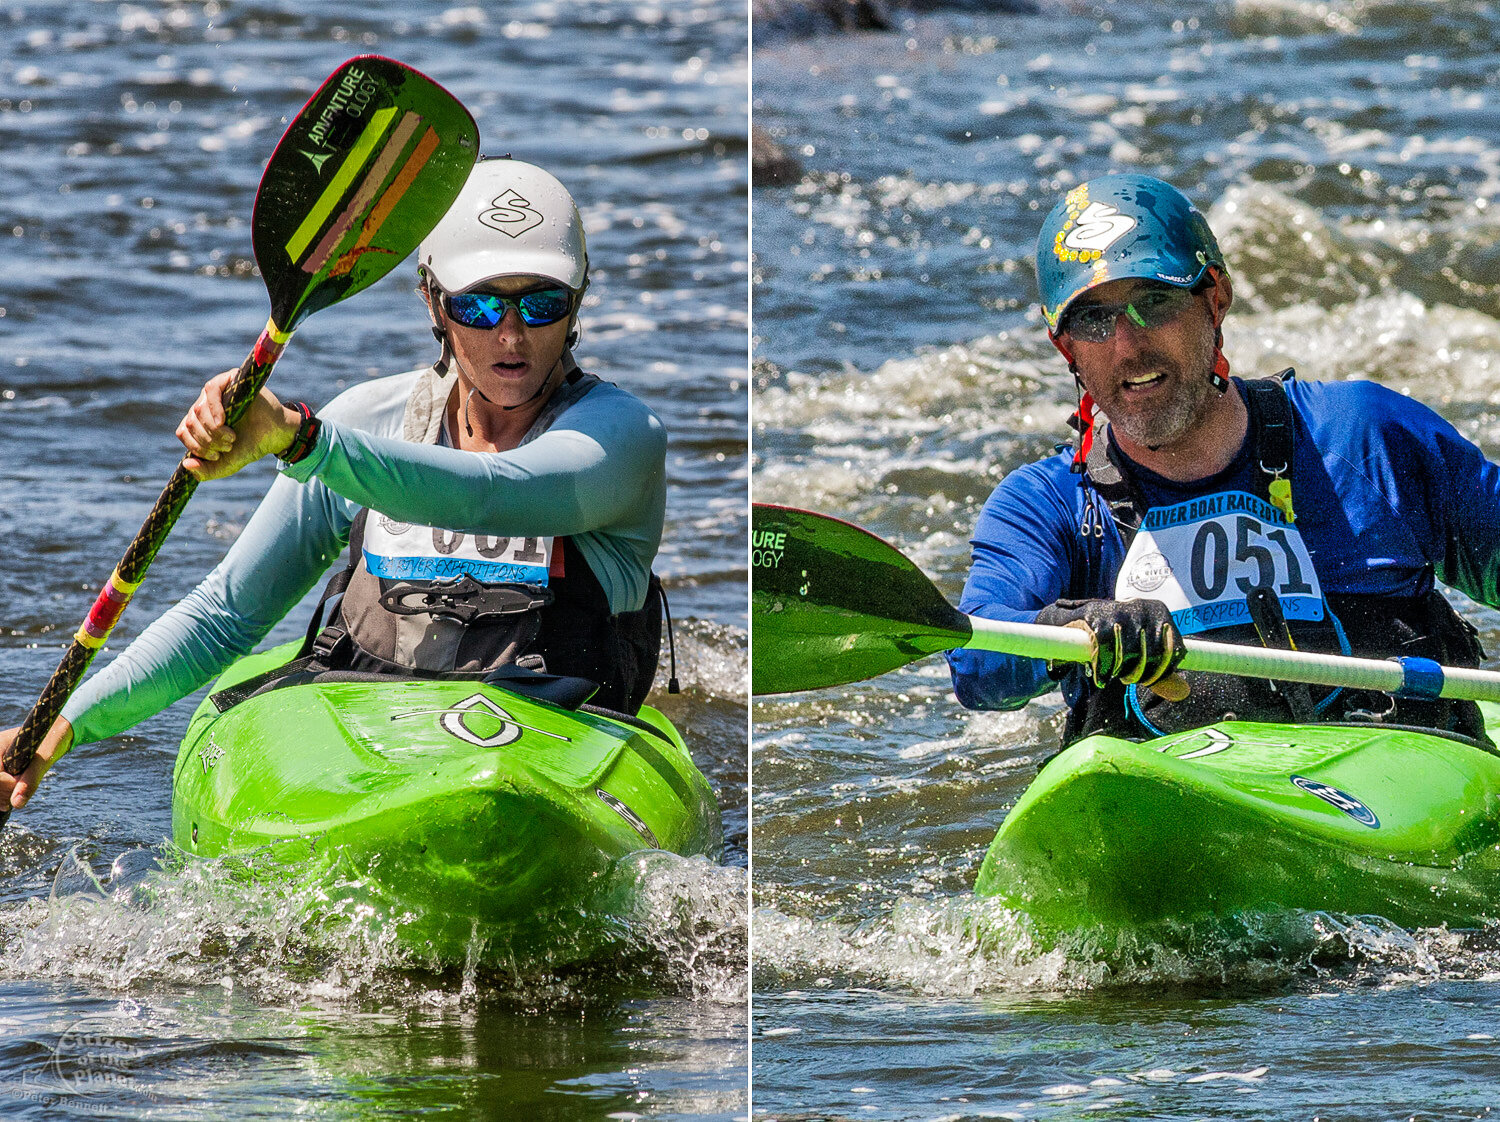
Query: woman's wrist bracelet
x=307, y=434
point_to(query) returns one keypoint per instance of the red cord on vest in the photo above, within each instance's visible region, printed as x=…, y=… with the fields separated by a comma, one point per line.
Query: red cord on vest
x=1083, y=421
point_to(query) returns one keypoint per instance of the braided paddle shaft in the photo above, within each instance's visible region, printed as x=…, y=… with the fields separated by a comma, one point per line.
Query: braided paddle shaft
x=131, y=571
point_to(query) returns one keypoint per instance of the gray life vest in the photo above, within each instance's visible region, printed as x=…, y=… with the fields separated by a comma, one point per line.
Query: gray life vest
x=432, y=600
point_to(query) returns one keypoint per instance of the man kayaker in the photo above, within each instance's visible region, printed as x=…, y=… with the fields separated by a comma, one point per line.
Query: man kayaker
x=1271, y=511
x=502, y=506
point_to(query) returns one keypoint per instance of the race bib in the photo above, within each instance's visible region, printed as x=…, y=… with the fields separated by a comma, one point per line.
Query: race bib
x=401, y=551
x=1203, y=557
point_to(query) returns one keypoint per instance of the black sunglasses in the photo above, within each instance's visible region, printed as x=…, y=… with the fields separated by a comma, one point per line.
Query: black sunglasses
x=1153, y=308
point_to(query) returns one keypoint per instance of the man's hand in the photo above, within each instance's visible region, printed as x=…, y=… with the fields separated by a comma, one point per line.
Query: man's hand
x=1135, y=640
x=16, y=792
x=214, y=450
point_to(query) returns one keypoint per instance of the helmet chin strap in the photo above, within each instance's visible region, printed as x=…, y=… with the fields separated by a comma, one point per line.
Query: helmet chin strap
x=1220, y=375
x=474, y=389
x=540, y=387
x=439, y=331
x=574, y=331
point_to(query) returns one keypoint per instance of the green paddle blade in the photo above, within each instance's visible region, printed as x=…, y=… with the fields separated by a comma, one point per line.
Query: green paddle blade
x=833, y=604
x=361, y=175
x=358, y=179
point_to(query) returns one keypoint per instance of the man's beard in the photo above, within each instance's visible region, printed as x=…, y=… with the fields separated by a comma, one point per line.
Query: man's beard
x=1184, y=408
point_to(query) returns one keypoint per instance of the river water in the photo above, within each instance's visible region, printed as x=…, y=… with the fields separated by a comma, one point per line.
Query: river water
x=1346, y=154
x=132, y=137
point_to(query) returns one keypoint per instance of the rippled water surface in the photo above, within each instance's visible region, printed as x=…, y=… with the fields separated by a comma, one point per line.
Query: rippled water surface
x=1347, y=157
x=132, y=137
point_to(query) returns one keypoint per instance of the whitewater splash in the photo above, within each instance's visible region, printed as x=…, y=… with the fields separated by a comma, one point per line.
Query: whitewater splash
x=662, y=924
x=961, y=947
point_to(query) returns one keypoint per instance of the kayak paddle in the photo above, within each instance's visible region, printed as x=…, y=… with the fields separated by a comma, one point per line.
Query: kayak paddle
x=358, y=179
x=833, y=604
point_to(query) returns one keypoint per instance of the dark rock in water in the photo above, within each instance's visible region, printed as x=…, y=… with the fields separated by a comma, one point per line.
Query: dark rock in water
x=795, y=18
x=809, y=17
x=770, y=164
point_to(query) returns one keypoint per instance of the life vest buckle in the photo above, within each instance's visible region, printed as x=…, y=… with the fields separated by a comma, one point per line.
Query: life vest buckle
x=462, y=598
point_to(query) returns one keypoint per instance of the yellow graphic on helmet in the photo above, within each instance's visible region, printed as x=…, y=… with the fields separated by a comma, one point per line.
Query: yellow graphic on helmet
x=1089, y=229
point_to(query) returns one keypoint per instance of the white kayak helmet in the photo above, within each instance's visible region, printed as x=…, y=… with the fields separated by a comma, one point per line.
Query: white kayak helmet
x=511, y=219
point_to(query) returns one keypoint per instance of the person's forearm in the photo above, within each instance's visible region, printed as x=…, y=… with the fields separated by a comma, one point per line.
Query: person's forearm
x=295, y=534
x=989, y=680
x=565, y=482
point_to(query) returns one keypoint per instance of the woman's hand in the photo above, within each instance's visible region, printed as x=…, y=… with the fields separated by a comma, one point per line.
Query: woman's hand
x=214, y=450
x=16, y=791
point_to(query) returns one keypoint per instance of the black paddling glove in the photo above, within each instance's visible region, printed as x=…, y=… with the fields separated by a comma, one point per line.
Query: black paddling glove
x=1136, y=640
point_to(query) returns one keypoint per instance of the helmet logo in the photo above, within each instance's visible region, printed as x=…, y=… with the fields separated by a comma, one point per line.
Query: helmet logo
x=1098, y=227
x=511, y=214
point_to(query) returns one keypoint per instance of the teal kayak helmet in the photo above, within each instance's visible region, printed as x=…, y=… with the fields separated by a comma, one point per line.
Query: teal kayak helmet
x=1118, y=227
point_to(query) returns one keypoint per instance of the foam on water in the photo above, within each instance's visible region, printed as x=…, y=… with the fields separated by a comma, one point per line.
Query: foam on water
x=688, y=919
x=712, y=657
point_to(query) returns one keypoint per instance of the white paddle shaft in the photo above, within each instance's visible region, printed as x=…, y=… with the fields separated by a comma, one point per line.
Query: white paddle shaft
x=1407, y=677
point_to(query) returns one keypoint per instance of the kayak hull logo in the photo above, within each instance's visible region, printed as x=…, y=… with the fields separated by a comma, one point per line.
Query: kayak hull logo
x=456, y=720
x=1341, y=800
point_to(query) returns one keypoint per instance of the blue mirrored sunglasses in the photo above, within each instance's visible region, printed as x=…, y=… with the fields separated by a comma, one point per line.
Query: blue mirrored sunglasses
x=487, y=309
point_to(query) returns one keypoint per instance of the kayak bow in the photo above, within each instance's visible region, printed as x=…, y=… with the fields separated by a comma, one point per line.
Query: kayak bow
x=1235, y=817
x=469, y=808
x=1240, y=817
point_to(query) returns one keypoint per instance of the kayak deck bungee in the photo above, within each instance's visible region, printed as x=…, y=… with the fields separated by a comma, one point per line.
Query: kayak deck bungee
x=1240, y=817
x=471, y=809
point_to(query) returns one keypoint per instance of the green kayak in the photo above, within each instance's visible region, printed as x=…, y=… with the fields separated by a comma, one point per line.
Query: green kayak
x=1241, y=817
x=469, y=809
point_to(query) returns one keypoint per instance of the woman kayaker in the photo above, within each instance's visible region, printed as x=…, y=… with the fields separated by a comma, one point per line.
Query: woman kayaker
x=1272, y=511
x=503, y=507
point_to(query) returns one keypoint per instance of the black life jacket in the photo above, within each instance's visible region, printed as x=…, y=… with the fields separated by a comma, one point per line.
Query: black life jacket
x=1361, y=624
x=467, y=628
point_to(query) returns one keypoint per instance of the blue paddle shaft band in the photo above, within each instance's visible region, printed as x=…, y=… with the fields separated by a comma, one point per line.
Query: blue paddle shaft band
x=1424, y=678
